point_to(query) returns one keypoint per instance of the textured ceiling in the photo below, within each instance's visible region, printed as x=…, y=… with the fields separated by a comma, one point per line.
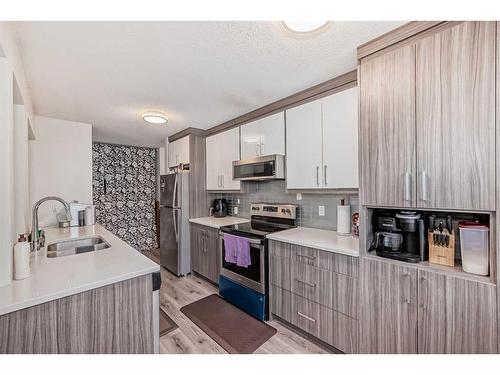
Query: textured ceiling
x=199, y=73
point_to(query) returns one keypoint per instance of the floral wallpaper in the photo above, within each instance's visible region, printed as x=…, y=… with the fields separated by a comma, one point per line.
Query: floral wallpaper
x=124, y=192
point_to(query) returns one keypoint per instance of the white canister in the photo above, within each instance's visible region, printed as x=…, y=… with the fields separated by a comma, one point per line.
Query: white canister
x=21, y=258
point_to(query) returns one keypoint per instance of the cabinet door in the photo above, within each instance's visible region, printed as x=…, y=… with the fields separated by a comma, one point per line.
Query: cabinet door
x=455, y=315
x=388, y=321
x=196, y=247
x=229, y=148
x=173, y=154
x=250, y=140
x=211, y=255
x=213, y=160
x=455, y=89
x=272, y=134
x=304, y=146
x=340, y=140
x=387, y=118
x=183, y=150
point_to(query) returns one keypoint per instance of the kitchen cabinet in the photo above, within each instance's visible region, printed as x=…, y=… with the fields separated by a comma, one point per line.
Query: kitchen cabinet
x=265, y=136
x=205, y=259
x=387, y=129
x=388, y=318
x=455, y=315
x=316, y=291
x=455, y=88
x=221, y=150
x=178, y=152
x=322, y=143
x=428, y=121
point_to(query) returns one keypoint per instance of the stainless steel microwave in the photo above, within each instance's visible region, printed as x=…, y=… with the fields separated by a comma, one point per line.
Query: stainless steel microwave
x=271, y=167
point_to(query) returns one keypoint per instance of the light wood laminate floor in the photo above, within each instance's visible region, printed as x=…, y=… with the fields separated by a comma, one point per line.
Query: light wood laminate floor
x=188, y=338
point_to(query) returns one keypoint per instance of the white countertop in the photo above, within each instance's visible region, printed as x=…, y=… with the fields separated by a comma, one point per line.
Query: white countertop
x=327, y=240
x=54, y=278
x=217, y=222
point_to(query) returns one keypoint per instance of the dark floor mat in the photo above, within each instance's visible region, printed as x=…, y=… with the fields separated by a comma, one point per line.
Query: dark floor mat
x=166, y=323
x=230, y=327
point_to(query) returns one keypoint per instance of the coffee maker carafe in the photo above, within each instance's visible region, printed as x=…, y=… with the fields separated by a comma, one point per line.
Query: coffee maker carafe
x=400, y=236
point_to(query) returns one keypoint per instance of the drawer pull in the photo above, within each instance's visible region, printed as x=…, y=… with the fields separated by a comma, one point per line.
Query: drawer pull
x=312, y=285
x=306, y=256
x=306, y=317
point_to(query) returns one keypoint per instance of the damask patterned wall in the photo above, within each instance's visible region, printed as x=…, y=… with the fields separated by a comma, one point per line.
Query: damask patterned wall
x=124, y=192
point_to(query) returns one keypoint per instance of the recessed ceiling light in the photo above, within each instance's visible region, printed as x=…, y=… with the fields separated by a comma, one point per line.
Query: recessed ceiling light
x=304, y=26
x=155, y=117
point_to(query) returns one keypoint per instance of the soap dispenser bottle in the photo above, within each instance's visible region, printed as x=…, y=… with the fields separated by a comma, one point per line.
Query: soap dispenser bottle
x=21, y=258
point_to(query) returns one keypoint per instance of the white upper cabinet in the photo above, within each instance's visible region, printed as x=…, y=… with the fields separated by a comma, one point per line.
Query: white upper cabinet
x=303, y=146
x=263, y=137
x=222, y=149
x=340, y=140
x=322, y=143
x=178, y=152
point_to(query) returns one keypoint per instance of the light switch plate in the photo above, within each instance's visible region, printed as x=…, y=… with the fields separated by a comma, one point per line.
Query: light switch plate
x=299, y=196
x=235, y=210
x=321, y=210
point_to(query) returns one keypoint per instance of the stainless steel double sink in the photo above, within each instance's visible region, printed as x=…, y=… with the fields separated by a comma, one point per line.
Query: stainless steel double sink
x=76, y=246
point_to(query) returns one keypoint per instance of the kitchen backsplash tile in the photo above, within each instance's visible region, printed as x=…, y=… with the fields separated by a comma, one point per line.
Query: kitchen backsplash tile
x=275, y=192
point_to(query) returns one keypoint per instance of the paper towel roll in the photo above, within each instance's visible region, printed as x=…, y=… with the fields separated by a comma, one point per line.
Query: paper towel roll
x=344, y=220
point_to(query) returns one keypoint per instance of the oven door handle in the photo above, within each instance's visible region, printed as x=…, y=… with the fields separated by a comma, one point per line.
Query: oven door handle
x=250, y=240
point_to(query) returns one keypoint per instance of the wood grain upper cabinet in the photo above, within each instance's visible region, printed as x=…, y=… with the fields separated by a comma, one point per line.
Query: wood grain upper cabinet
x=340, y=140
x=387, y=130
x=455, y=315
x=262, y=137
x=222, y=149
x=388, y=319
x=304, y=146
x=455, y=115
x=178, y=152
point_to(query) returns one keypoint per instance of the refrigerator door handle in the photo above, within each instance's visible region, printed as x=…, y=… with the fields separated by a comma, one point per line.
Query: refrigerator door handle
x=174, y=195
x=176, y=230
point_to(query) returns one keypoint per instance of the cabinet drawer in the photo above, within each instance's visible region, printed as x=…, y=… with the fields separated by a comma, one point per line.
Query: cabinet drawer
x=333, y=290
x=339, y=263
x=319, y=321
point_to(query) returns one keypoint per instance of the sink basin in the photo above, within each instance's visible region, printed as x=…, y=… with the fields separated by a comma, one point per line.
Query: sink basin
x=76, y=246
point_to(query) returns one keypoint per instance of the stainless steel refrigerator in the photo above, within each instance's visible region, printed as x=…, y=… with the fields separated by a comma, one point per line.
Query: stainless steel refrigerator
x=175, y=253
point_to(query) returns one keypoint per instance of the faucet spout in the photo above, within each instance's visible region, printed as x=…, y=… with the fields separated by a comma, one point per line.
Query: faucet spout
x=35, y=242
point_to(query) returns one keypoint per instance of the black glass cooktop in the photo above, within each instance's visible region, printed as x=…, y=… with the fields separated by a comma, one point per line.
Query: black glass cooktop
x=256, y=229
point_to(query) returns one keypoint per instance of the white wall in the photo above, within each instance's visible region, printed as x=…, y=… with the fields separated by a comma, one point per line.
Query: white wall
x=61, y=164
x=6, y=171
x=21, y=172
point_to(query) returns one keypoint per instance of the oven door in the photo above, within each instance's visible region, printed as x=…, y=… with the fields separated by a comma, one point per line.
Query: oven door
x=252, y=276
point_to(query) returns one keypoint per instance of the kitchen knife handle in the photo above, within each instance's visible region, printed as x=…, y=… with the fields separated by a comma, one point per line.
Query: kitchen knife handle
x=407, y=187
x=424, y=186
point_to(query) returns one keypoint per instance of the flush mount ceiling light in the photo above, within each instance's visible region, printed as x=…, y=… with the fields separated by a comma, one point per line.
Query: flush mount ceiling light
x=155, y=117
x=304, y=26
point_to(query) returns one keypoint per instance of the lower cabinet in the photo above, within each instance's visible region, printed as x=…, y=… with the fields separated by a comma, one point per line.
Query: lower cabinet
x=309, y=292
x=410, y=310
x=205, y=259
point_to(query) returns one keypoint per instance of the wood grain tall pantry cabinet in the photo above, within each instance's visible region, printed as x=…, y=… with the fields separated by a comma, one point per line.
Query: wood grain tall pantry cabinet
x=322, y=143
x=410, y=310
x=221, y=150
x=265, y=136
x=428, y=121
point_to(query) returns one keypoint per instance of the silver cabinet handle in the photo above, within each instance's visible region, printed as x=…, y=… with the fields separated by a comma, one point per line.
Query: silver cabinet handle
x=218, y=181
x=306, y=317
x=222, y=179
x=306, y=256
x=407, y=187
x=262, y=148
x=324, y=175
x=317, y=175
x=257, y=152
x=312, y=285
x=424, y=186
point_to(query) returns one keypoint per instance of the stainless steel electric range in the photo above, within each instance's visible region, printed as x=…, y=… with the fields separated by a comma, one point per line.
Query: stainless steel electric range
x=248, y=287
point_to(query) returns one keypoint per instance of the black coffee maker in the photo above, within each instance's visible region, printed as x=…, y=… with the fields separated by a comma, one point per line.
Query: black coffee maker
x=399, y=236
x=220, y=207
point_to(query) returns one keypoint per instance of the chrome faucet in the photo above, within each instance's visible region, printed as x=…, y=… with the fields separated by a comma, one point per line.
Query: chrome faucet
x=35, y=241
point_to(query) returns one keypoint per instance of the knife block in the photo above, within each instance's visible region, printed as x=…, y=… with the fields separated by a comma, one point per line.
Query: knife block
x=443, y=255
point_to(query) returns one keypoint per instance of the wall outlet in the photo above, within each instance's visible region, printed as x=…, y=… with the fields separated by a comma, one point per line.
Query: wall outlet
x=235, y=210
x=321, y=210
x=299, y=196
